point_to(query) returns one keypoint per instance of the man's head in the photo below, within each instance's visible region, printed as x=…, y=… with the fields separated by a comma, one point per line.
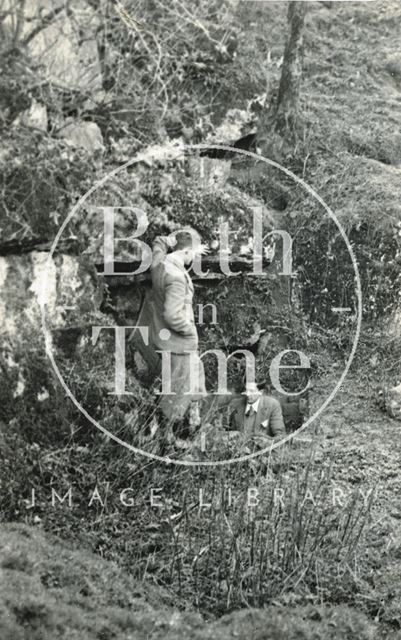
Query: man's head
x=188, y=244
x=252, y=392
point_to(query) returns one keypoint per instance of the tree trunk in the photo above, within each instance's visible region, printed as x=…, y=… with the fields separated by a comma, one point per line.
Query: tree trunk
x=286, y=110
x=278, y=122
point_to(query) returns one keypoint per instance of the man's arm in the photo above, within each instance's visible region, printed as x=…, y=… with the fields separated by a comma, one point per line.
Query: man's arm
x=276, y=421
x=234, y=422
x=160, y=248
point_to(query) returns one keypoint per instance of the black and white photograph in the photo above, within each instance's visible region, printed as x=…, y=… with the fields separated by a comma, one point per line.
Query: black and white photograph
x=200, y=319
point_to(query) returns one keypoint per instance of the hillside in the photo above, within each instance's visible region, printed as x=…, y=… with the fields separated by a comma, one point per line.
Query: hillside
x=49, y=590
x=325, y=560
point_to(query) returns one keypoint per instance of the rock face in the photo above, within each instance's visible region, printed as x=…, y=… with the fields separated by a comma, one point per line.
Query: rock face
x=70, y=290
x=93, y=598
x=39, y=369
x=35, y=116
x=65, y=285
x=52, y=37
x=236, y=124
x=84, y=135
x=208, y=172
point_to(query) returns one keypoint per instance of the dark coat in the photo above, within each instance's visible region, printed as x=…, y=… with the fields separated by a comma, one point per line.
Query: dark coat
x=268, y=420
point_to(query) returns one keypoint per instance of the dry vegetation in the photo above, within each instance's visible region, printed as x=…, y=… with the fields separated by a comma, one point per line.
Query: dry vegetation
x=74, y=595
x=179, y=76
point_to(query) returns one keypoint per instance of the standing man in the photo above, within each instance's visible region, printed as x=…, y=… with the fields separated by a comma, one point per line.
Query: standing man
x=172, y=331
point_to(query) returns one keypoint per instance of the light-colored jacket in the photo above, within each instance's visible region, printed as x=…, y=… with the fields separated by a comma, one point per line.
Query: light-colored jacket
x=171, y=302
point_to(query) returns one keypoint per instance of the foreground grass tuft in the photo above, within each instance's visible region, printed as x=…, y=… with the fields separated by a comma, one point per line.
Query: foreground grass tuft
x=48, y=591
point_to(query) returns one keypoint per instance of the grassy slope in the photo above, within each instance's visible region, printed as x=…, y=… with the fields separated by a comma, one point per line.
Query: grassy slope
x=353, y=94
x=349, y=144
x=50, y=592
x=351, y=97
x=363, y=443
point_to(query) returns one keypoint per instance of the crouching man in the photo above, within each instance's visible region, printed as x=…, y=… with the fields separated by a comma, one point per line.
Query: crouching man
x=257, y=415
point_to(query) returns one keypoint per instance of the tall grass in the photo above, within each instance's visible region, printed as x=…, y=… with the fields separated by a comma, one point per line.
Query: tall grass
x=296, y=542
x=261, y=531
